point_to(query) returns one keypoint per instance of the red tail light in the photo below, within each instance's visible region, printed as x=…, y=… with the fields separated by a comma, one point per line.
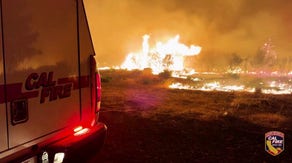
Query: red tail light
x=98, y=87
x=95, y=84
x=98, y=98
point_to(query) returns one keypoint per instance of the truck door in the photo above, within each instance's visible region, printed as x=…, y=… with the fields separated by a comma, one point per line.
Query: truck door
x=42, y=75
x=3, y=124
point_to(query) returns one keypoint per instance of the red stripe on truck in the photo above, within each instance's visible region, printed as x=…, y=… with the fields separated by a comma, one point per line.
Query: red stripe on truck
x=14, y=90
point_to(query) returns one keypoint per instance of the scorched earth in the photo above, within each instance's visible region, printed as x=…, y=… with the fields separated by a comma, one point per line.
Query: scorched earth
x=149, y=122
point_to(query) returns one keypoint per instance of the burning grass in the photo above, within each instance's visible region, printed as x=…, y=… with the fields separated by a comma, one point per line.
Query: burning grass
x=148, y=122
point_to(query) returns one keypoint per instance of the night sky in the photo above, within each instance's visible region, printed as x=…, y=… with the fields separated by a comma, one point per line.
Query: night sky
x=220, y=27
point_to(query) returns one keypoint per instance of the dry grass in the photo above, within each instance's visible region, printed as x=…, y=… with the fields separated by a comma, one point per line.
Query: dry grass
x=147, y=122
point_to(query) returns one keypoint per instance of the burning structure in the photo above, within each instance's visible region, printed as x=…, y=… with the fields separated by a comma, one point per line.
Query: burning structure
x=170, y=56
x=164, y=56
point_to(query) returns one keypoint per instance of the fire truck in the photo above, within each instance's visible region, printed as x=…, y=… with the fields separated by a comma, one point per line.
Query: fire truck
x=50, y=90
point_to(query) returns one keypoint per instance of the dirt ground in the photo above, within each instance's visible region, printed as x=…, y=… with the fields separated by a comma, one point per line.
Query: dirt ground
x=148, y=122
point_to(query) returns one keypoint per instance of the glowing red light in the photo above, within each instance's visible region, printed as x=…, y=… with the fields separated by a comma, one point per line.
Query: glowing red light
x=80, y=131
x=79, y=128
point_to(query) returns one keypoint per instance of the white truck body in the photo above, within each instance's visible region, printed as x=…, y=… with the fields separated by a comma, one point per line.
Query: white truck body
x=48, y=80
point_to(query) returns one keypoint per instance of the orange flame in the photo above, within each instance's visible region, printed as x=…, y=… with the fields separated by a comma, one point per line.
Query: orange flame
x=164, y=56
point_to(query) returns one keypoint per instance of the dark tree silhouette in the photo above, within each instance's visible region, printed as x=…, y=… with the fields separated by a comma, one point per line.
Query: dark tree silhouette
x=266, y=56
x=235, y=61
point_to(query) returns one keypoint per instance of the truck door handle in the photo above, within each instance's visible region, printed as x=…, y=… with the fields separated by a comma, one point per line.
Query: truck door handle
x=19, y=111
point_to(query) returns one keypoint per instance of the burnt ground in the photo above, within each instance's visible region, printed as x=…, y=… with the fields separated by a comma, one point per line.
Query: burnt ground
x=147, y=122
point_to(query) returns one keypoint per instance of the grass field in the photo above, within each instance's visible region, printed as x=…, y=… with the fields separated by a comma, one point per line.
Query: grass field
x=148, y=122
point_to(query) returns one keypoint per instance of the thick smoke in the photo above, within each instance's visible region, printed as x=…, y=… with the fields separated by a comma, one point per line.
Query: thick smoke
x=221, y=27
